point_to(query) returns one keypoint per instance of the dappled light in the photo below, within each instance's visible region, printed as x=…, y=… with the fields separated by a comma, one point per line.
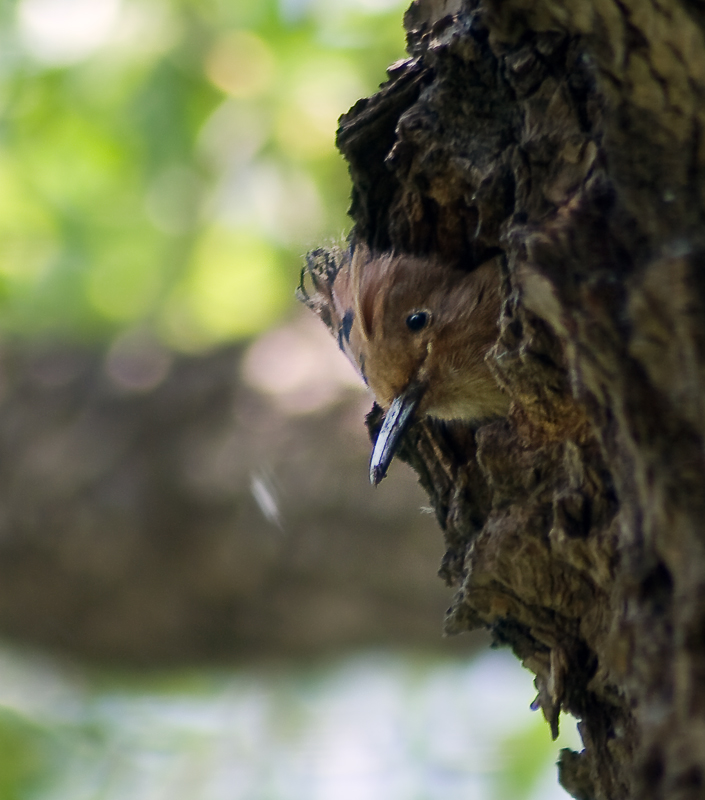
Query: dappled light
x=57, y=33
x=299, y=365
x=241, y=64
x=137, y=362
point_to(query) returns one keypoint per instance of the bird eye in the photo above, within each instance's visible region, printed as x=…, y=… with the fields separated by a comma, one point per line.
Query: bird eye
x=418, y=320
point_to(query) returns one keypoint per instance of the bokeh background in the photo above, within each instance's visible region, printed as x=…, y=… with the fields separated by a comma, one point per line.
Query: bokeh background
x=200, y=595
x=166, y=163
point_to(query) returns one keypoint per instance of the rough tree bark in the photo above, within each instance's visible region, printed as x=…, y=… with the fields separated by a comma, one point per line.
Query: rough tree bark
x=567, y=135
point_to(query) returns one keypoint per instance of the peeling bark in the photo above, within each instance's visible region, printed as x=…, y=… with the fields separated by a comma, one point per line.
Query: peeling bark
x=568, y=138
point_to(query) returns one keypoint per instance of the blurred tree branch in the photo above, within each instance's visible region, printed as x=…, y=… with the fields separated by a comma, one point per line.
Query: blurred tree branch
x=196, y=520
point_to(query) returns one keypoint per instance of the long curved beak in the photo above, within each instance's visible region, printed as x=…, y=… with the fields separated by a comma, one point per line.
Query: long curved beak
x=396, y=421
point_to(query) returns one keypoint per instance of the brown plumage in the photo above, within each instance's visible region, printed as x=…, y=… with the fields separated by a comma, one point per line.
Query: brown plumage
x=417, y=330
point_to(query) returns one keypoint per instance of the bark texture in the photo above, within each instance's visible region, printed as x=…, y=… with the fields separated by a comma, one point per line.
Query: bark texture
x=568, y=137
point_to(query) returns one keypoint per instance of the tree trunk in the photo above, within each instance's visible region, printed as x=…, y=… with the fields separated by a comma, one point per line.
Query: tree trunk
x=568, y=137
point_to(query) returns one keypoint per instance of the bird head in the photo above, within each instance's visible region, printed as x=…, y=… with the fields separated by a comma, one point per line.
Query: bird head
x=418, y=331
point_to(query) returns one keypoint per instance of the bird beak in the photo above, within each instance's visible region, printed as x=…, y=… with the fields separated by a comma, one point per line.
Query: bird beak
x=396, y=421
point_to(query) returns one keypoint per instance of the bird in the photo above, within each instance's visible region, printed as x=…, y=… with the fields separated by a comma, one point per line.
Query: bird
x=417, y=330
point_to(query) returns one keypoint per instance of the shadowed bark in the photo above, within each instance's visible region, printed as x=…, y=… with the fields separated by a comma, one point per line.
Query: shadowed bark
x=568, y=138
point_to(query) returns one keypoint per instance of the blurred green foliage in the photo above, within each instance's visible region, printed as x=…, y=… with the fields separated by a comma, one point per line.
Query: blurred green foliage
x=166, y=162
x=26, y=761
x=526, y=752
